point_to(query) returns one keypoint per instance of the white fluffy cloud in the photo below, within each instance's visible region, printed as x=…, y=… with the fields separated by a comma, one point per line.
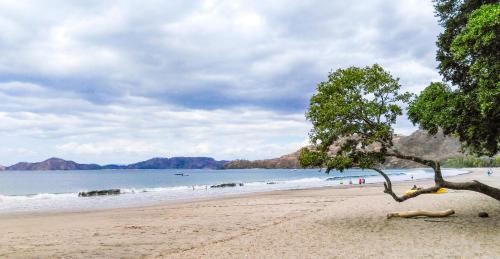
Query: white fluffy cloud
x=121, y=81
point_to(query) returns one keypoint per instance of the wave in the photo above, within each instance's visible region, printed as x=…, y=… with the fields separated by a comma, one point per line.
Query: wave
x=255, y=186
x=39, y=196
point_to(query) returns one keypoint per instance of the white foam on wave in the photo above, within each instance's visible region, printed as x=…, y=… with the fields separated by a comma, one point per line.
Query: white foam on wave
x=141, y=196
x=155, y=189
x=40, y=196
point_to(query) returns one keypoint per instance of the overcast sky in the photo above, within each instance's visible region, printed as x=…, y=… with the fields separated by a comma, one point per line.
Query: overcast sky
x=123, y=81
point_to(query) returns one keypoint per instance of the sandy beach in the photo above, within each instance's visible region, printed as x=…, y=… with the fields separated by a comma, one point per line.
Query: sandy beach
x=314, y=223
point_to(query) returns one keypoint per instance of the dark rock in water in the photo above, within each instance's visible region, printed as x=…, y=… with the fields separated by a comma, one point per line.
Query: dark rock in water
x=99, y=193
x=483, y=214
x=224, y=185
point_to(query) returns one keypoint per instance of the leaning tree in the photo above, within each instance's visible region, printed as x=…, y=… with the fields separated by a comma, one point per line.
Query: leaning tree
x=352, y=115
x=467, y=103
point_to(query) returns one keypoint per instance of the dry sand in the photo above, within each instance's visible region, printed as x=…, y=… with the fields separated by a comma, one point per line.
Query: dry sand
x=315, y=223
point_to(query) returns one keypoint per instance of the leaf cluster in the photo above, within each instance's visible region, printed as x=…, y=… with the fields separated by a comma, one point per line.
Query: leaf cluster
x=352, y=115
x=468, y=59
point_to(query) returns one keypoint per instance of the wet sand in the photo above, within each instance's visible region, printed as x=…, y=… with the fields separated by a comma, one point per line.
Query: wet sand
x=313, y=223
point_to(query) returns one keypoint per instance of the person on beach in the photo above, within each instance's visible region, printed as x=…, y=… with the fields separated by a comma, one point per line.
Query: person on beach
x=416, y=188
x=360, y=181
x=489, y=172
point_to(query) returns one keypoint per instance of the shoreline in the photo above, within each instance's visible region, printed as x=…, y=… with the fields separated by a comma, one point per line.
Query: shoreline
x=219, y=196
x=322, y=222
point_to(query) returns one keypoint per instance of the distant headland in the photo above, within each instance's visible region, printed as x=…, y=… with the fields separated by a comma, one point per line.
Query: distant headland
x=154, y=163
x=439, y=147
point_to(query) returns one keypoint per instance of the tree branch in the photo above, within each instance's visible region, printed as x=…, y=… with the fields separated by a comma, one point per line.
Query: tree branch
x=388, y=188
x=474, y=186
x=439, y=180
x=397, y=154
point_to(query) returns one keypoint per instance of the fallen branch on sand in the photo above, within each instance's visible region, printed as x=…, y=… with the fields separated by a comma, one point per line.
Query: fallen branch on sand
x=411, y=214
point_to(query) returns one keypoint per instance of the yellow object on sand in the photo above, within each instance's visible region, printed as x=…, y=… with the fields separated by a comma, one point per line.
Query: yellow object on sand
x=439, y=191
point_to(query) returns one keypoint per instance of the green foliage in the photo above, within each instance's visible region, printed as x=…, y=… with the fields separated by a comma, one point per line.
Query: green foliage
x=309, y=158
x=355, y=109
x=453, y=16
x=469, y=60
x=432, y=109
x=459, y=162
x=477, y=48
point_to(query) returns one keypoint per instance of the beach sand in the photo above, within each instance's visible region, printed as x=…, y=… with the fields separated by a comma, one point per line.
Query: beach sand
x=314, y=223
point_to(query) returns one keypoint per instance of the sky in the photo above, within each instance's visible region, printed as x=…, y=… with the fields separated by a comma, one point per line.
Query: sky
x=123, y=81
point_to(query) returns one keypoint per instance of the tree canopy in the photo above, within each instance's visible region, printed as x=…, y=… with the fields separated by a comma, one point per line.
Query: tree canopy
x=353, y=111
x=354, y=108
x=468, y=60
x=352, y=114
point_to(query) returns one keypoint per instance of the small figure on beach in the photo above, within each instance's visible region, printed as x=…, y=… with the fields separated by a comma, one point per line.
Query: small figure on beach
x=415, y=188
x=412, y=177
x=360, y=181
x=364, y=180
x=489, y=172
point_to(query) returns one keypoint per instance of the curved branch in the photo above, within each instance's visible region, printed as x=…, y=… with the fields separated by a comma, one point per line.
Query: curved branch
x=388, y=188
x=438, y=176
x=397, y=154
x=411, y=214
x=439, y=180
x=474, y=186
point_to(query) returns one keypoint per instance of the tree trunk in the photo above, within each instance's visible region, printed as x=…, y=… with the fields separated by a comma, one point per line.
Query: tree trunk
x=439, y=180
x=474, y=186
x=411, y=214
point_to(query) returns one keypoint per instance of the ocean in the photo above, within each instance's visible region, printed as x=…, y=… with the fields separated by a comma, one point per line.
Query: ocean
x=53, y=191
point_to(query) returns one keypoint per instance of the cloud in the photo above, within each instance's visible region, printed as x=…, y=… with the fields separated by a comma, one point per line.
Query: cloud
x=222, y=78
x=139, y=128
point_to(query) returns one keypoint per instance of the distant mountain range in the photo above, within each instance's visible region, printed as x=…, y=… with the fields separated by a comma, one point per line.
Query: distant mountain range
x=179, y=163
x=53, y=164
x=419, y=143
x=154, y=163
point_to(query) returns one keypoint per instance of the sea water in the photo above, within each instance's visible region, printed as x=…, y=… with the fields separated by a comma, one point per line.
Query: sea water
x=45, y=191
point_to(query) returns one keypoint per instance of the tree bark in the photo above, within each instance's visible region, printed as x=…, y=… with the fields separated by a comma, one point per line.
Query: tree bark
x=411, y=214
x=438, y=179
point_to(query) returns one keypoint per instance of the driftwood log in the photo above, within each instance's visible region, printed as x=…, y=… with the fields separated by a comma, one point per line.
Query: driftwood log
x=411, y=214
